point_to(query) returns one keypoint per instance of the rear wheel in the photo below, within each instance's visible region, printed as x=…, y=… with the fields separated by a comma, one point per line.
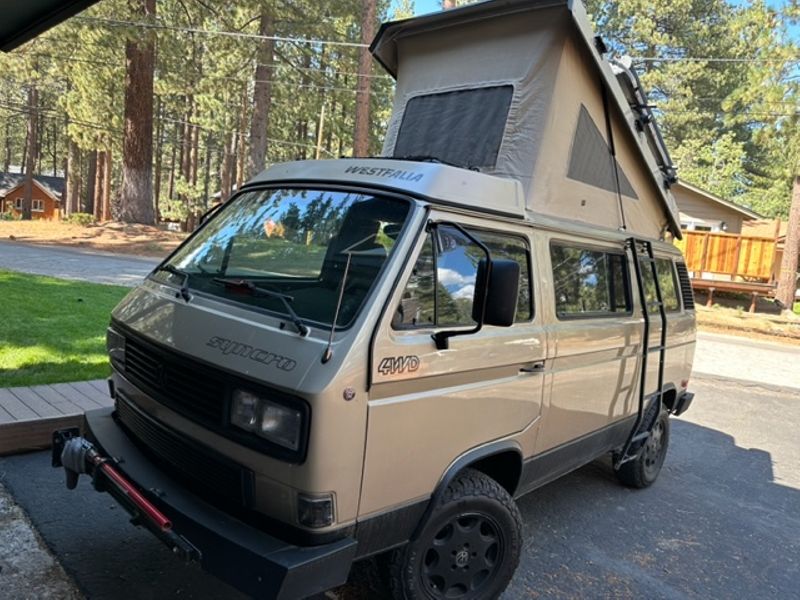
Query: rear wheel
x=468, y=549
x=643, y=471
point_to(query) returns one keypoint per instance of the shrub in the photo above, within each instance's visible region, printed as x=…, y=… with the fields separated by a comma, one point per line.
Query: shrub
x=83, y=219
x=8, y=216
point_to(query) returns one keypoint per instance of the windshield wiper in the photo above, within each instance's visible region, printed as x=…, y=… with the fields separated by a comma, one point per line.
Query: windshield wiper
x=246, y=284
x=184, y=291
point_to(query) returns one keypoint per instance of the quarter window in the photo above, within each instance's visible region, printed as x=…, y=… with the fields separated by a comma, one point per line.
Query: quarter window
x=589, y=282
x=666, y=281
x=442, y=284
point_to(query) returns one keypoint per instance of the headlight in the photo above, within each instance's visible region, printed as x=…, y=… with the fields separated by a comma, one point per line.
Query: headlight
x=115, y=345
x=275, y=422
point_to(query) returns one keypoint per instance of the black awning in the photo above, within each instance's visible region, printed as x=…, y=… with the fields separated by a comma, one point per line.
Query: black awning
x=21, y=21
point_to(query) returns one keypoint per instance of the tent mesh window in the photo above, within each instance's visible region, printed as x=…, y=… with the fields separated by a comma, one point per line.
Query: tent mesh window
x=590, y=160
x=462, y=127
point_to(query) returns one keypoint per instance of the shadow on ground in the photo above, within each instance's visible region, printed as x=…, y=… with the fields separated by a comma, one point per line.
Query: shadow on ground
x=715, y=524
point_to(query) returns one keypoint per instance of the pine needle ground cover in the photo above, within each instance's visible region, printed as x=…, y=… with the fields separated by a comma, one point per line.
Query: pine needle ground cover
x=53, y=330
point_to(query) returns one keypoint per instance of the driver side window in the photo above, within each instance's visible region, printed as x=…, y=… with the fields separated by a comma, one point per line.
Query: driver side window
x=442, y=284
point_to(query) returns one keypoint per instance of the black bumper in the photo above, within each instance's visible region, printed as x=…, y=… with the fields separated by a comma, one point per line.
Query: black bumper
x=247, y=558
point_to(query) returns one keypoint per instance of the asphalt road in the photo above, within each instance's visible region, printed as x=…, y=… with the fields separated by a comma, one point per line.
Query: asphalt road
x=71, y=263
x=722, y=521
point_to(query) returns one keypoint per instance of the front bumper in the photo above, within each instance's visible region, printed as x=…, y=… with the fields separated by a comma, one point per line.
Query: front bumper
x=245, y=557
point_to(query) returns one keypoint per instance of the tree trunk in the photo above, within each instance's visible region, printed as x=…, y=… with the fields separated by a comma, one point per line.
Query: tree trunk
x=32, y=151
x=186, y=143
x=107, y=189
x=159, y=158
x=72, y=190
x=787, y=283
x=171, y=191
x=71, y=174
x=262, y=96
x=137, y=144
x=241, y=159
x=39, y=142
x=54, y=148
x=226, y=173
x=99, y=185
x=195, y=153
x=207, y=172
x=90, y=181
x=361, y=131
x=7, y=160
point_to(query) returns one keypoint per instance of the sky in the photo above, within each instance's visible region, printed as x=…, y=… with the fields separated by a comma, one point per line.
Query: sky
x=422, y=7
x=425, y=6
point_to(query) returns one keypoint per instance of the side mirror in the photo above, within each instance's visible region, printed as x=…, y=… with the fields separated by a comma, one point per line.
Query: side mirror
x=501, y=292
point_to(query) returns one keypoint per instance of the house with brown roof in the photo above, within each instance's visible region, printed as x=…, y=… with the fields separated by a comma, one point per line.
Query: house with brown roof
x=700, y=210
x=45, y=201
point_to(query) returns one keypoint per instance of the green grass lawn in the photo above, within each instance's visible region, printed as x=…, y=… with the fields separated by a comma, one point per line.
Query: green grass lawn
x=53, y=330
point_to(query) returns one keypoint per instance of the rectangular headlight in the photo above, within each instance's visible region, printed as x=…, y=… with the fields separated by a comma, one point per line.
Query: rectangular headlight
x=275, y=422
x=115, y=345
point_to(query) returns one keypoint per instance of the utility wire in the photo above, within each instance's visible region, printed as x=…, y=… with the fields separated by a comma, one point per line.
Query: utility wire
x=233, y=34
x=237, y=132
x=712, y=59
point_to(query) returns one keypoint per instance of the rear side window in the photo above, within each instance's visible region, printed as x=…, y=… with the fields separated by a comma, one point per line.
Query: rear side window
x=589, y=282
x=666, y=281
x=442, y=285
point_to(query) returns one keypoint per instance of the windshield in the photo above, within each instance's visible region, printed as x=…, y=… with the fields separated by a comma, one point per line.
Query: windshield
x=293, y=242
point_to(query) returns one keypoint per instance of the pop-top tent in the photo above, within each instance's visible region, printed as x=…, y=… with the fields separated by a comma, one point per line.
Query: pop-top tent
x=522, y=89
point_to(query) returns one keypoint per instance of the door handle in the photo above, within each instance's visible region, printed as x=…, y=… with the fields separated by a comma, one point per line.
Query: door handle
x=536, y=367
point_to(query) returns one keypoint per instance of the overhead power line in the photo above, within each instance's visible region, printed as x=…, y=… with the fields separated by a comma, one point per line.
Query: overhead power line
x=233, y=34
x=273, y=140
x=718, y=59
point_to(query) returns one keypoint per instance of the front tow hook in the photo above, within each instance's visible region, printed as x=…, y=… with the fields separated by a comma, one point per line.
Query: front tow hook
x=78, y=456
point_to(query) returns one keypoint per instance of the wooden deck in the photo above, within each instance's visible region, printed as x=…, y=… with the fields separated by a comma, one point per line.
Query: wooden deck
x=28, y=415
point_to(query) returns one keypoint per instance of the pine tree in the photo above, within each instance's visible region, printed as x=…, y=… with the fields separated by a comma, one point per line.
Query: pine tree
x=137, y=152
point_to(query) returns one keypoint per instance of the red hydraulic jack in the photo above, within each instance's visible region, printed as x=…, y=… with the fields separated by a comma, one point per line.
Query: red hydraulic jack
x=78, y=456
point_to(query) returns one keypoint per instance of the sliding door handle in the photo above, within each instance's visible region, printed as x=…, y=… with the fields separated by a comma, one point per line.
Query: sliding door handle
x=536, y=367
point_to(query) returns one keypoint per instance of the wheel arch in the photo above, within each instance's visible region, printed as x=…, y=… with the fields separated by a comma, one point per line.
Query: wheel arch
x=669, y=396
x=502, y=461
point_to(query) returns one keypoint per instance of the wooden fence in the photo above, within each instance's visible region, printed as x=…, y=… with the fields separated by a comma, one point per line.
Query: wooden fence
x=739, y=256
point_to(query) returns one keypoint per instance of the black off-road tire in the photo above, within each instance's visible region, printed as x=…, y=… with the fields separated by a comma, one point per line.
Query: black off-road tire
x=643, y=471
x=468, y=548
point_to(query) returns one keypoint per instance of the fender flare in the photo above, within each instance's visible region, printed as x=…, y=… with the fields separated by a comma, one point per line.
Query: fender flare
x=459, y=464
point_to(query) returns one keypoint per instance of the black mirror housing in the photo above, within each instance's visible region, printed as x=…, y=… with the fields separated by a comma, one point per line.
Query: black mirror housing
x=501, y=293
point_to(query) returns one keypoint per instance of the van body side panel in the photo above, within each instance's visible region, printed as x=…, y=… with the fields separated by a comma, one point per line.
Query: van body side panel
x=592, y=381
x=680, y=340
x=421, y=420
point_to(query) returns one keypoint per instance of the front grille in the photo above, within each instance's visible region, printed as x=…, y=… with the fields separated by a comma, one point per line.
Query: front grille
x=186, y=459
x=686, y=287
x=201, y=392
x=176, y=382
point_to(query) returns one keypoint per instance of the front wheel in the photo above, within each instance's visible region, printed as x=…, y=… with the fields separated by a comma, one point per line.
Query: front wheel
x=643, y=471
x=468, y=549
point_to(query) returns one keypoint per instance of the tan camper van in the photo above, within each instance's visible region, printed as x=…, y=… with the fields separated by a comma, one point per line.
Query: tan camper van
x=376, y=356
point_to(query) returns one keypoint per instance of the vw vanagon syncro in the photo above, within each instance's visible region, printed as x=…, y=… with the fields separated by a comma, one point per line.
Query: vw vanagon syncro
x=376, y=356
